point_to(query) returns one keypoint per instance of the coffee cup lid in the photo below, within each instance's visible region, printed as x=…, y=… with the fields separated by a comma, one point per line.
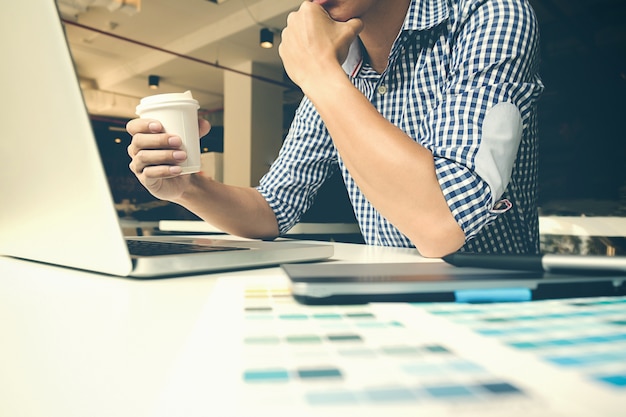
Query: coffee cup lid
x=168, y=98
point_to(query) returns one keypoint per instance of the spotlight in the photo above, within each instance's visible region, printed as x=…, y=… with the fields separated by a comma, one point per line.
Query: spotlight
x=267, y=38
x=153, y=81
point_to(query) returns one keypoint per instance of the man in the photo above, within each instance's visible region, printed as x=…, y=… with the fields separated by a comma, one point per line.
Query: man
x=426, y=106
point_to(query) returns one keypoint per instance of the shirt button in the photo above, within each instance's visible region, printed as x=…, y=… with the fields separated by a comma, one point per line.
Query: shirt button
x=382, y=89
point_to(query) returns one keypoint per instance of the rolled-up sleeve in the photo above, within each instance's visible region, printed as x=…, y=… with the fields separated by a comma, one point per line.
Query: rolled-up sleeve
x=302, y=166
x=482, y=120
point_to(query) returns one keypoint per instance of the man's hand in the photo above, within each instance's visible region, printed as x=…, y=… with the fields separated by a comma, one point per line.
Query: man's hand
x=314, y=44
x=155, y=157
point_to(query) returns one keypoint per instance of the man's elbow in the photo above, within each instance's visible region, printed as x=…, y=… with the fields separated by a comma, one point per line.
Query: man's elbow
x=439, y=239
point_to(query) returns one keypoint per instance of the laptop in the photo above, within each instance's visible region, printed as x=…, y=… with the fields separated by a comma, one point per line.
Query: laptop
x=57, y=206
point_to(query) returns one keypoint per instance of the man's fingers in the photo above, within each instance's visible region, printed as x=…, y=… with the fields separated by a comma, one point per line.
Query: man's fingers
x=144, y=162
x=144, y=126
x=161, y=171
x=146, y=157
x=356, y=25
x=153, y=141
x=204, y=127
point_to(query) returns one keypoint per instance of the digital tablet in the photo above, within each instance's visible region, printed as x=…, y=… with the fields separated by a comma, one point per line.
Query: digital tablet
x=346, y=283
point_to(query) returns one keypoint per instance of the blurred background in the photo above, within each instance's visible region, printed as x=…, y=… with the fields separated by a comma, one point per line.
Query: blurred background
x=121, y=46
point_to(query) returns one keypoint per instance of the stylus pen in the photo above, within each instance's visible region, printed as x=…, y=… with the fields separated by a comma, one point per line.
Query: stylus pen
x=546, y=262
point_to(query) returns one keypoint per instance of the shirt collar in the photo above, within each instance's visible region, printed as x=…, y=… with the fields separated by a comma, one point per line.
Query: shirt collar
x=422, y=15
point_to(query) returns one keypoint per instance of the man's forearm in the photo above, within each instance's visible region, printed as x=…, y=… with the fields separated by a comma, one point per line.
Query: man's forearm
x=394, y=172
x=240, y=211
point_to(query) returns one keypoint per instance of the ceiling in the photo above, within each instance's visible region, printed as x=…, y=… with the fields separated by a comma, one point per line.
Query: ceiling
x=187, y=43
x=190, y=43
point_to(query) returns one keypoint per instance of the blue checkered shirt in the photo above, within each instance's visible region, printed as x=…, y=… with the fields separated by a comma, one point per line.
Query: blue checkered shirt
x=452, y=61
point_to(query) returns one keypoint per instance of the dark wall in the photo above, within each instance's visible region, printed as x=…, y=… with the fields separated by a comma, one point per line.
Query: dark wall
x=583, y=109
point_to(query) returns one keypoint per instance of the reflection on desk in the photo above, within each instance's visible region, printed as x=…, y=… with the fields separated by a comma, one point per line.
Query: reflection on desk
x=583, y=235
x=236, y=344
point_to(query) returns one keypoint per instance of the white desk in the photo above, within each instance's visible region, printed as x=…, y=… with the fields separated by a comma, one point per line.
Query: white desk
x=551, y=225
x=75, y=344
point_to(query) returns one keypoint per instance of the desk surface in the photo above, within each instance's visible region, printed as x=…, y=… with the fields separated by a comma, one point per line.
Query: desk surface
x=81, y=344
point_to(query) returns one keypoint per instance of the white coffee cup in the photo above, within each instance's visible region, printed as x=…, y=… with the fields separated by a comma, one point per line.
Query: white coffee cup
x=178, y=113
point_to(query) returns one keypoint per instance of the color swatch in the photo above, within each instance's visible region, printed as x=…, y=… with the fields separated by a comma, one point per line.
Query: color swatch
x=348, y=355
x=587, y=336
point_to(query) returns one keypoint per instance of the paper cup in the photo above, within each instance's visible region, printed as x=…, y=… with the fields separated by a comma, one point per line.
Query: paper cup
x=178, y=113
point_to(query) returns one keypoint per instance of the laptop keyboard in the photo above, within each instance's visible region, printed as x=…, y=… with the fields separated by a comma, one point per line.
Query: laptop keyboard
x=152, y=248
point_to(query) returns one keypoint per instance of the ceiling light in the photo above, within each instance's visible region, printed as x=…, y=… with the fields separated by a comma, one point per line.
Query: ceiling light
x=153, y=81
x=130, y=7
x=267, y=38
